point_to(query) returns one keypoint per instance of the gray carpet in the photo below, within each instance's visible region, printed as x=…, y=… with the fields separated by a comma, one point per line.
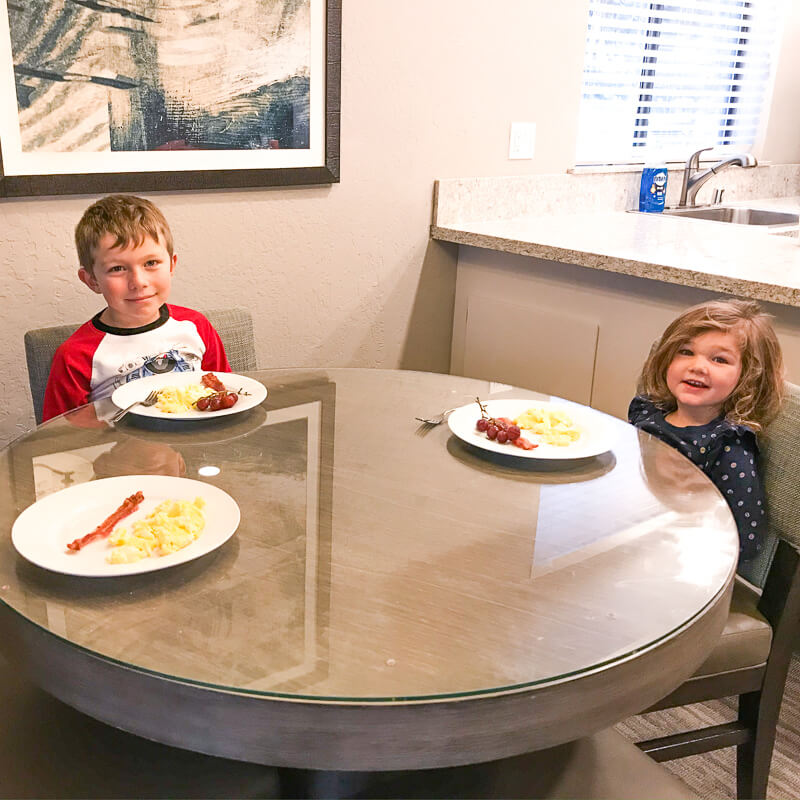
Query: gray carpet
x=712, y=775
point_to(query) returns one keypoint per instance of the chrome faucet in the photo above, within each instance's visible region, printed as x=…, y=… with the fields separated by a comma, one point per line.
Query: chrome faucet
x=693, y=179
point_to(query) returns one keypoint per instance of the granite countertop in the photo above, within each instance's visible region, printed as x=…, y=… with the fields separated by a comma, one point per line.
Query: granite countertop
x=750, y=261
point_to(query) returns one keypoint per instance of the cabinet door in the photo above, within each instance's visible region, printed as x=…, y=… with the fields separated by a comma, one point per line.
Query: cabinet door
x=534, y=347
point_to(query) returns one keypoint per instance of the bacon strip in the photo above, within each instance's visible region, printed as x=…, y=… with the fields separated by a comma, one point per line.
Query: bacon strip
x=104, y=528
x=213, y=382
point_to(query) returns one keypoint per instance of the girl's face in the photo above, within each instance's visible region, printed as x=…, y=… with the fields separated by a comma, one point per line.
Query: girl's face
x=703, y=374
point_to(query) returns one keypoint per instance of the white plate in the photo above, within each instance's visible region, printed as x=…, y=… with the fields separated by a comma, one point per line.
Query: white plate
x=595, y=435
x=140, y=388
x=41, y=532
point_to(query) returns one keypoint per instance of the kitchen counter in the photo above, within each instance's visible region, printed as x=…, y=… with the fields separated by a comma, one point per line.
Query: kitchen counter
x=559, y=289
x=733, y=259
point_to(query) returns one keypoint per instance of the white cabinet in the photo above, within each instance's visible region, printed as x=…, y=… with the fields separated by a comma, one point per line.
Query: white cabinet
x=570, y=331
x=518, y=341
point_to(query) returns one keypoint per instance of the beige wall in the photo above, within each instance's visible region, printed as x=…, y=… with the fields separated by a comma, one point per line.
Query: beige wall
x=345, y=275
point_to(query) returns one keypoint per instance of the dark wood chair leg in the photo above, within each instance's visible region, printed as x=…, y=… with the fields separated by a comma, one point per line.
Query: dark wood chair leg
x=745, y=789
x=759, y=713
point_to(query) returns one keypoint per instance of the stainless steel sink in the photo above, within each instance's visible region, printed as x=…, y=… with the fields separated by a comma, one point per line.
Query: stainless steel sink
x=738, y=216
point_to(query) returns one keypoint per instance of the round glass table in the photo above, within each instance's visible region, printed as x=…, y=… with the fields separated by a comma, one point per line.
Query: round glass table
x=394, y=596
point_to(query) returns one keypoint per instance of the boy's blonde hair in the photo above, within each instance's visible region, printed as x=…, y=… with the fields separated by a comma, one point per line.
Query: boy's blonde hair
x=130, y=219
x=759, y=393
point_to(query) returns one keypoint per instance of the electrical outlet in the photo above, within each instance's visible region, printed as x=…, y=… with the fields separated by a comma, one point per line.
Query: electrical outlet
x=522, y=140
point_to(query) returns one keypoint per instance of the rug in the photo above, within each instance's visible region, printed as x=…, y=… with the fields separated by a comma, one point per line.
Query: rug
x=713, y=775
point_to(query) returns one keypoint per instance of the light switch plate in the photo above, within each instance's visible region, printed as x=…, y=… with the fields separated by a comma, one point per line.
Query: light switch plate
x=522, y=140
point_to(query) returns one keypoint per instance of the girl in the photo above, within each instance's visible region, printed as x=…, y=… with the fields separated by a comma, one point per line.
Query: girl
x=711, y=383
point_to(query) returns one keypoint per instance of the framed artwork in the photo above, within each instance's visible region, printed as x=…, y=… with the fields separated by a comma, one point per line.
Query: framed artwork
x=100, y=96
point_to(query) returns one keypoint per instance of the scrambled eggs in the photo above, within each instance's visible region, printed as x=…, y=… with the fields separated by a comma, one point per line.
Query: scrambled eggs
x=169, y=528
x=552, y=427
x=178, y=399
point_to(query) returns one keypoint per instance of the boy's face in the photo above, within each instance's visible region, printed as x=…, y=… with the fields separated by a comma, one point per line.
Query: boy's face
x=135, y=281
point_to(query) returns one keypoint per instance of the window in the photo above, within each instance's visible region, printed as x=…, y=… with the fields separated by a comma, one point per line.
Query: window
x=662, y=80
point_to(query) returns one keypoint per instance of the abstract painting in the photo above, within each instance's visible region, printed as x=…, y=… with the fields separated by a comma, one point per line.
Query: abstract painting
x=132, y=94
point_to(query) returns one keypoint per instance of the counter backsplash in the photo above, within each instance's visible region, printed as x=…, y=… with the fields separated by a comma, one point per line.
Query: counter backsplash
x=459, y=200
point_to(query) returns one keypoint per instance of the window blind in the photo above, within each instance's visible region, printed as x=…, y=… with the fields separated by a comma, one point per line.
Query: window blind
x=662, y=80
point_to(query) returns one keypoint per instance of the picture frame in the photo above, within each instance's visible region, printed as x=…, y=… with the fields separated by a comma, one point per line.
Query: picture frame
x=74, y=121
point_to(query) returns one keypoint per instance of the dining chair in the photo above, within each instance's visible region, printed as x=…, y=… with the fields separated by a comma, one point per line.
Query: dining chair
x=234, y=325
x=48, y=749
x=752, y=657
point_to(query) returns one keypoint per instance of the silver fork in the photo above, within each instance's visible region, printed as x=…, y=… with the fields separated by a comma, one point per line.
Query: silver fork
x=436, y=420
x=150, y=400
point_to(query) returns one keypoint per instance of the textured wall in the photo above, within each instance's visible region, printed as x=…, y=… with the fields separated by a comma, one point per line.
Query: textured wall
x=341, y=275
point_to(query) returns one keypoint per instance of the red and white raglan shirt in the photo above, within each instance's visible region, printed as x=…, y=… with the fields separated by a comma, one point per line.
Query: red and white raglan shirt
x=98, y=358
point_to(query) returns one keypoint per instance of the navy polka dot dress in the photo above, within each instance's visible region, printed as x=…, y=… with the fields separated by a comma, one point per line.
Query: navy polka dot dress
x=728, y=454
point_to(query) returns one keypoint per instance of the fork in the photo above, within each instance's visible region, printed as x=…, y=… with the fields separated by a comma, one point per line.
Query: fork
x=150, y=400
x=436, y=420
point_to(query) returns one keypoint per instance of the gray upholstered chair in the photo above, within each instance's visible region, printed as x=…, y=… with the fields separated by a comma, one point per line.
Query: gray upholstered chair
x=234, y=325
x=752, y=657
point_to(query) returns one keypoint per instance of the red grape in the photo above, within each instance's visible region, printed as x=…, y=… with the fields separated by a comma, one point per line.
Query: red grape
x=500, y=429
x=228, y=399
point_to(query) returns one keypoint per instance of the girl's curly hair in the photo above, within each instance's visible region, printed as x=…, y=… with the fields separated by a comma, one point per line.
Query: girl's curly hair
x=758, y=396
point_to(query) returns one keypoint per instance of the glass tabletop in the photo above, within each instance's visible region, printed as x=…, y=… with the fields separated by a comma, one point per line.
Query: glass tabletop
x=376, y=559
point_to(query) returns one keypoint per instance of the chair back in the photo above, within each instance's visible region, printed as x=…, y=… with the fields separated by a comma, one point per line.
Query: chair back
x=234, y=325
x=40, y=347
x=235, y=328
x=779, y=446
x=780, y=467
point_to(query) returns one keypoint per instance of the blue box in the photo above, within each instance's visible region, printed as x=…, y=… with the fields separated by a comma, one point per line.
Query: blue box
x=653, y=188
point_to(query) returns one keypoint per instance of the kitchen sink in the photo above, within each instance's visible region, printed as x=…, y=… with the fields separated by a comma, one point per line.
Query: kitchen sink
x=738, y=216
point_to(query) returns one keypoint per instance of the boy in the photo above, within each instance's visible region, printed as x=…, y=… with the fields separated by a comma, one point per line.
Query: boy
x=126, y=254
